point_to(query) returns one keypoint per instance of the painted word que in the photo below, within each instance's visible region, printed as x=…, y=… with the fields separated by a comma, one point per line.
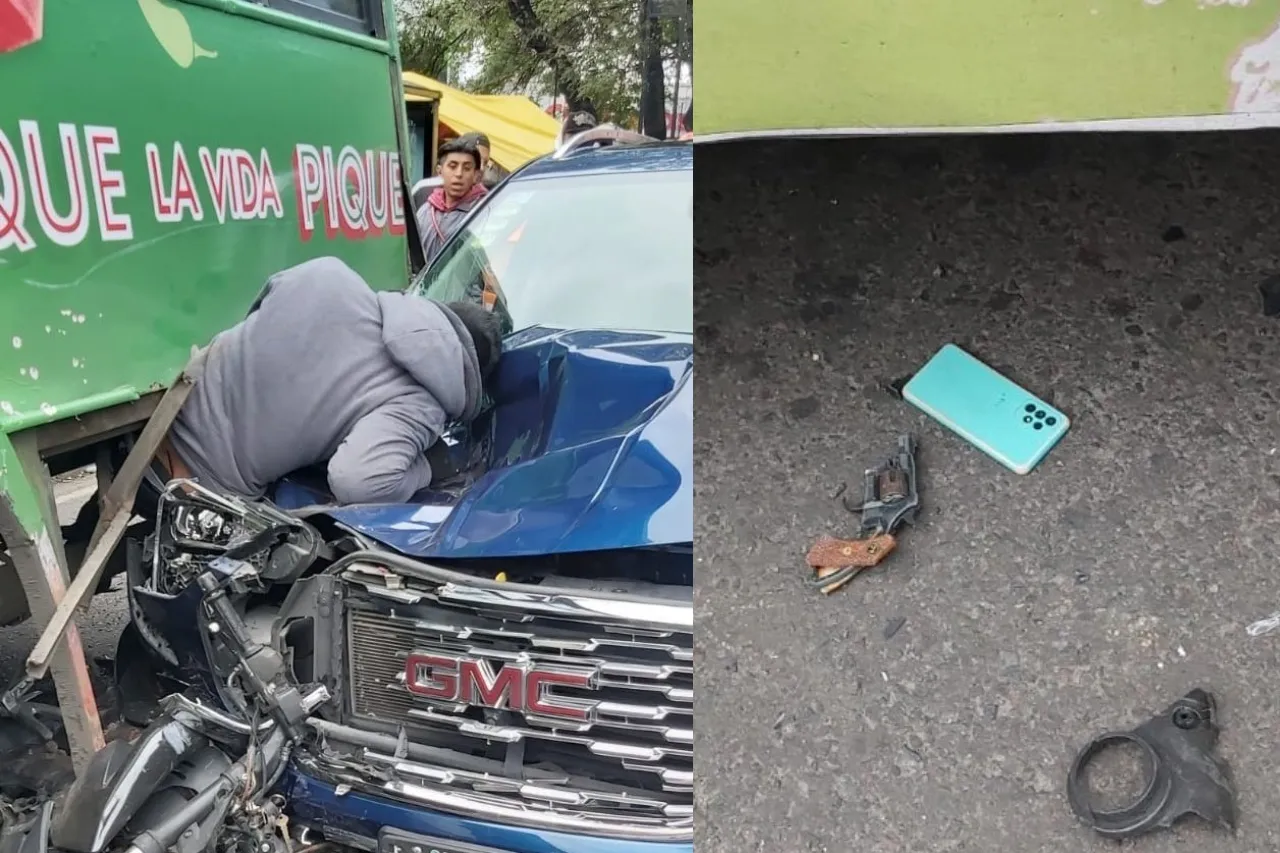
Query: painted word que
x=93, y=178
x=346, y=192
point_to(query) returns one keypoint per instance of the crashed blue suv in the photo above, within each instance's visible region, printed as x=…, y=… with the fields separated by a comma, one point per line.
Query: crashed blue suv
x=505, y=663
x=543, y=619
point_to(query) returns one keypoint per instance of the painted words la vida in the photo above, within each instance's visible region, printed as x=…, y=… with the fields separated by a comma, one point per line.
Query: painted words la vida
x=340, y=191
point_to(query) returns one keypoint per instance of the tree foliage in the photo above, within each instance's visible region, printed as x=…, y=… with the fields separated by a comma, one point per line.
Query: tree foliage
x=592, y=52
x=430, y=42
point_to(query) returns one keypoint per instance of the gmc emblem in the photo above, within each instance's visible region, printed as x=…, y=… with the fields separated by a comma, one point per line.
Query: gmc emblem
x=472, y=681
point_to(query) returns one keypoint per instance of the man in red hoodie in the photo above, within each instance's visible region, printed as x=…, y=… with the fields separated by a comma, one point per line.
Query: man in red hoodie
x=460, y=170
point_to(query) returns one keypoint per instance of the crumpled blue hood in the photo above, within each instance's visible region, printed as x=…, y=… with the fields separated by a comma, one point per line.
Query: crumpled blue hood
x=589, y=446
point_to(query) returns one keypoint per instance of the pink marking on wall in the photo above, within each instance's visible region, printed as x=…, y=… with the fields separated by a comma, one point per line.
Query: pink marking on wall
x=21, y=23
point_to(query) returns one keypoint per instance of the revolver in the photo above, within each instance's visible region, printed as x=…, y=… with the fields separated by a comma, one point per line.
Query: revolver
x=890, y=499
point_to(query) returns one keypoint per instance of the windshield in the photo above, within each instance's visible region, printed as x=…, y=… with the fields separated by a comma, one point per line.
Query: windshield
x=610, y=250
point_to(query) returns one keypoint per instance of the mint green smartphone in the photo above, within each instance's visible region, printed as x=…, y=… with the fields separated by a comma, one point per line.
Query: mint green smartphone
x=995, y=415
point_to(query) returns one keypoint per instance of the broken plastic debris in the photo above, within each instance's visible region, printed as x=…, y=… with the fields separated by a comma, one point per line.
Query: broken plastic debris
x=1184, y=776
x=1264, y=626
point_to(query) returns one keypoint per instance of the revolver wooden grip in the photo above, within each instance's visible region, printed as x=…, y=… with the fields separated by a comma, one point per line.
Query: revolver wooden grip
x=829, y=555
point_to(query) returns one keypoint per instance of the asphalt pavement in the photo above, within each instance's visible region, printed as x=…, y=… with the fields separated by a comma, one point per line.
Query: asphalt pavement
x=1117, y=277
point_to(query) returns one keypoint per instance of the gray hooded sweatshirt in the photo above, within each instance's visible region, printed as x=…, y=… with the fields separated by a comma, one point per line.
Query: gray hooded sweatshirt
x=326, y=369
x=437, y=222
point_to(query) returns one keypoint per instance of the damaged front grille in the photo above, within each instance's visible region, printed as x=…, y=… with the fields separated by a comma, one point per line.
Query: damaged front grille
x=586, y=700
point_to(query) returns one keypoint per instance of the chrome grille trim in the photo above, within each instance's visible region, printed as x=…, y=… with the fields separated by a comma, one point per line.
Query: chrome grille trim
x=596, y=610
x=539, y=805
x=640, y=707
x=542, y=790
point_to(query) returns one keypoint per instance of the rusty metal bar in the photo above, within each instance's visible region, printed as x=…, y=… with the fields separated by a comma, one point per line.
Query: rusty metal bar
x=38, y=558
x=117, y=510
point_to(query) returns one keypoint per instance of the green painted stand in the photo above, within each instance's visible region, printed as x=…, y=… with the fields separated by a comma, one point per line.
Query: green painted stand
x=29, y=525
x=30, y=528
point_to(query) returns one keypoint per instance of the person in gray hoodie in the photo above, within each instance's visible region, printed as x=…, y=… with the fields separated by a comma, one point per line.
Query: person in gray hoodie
x=460, y=167
x=326, y=370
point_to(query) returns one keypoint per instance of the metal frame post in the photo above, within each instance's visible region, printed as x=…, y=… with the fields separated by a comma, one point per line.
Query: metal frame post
x=30, y=526
x=28, y=517
x=117, y=510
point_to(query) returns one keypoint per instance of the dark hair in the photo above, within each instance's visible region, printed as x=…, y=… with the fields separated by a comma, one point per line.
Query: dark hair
x=578, y=121
x=476, y=138
x=458, y=146
x=486, y=332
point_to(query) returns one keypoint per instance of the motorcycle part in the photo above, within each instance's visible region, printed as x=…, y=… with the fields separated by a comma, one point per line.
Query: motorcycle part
x=27, y=832
x=120, y=778
x=890, y=496
x=261, y=668
x=1183, y=776
x=836, y=561
x=206, y=811
x=195, y=774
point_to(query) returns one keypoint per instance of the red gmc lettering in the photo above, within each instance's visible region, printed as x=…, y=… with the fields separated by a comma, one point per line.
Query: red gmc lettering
x=539, y=701
x=431, y=677
x=474, y=682
x=478, y=685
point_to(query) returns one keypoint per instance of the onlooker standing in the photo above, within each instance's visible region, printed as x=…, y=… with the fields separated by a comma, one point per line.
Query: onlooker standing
x=458, y=164
x=490, y=172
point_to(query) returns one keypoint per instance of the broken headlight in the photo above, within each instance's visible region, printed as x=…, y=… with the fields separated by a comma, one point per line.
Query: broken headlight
x=196, y=526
